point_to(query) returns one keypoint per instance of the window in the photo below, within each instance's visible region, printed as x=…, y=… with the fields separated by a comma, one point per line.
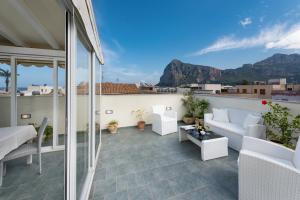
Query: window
x=290, y=89
x=255, y=91
x=244, y=91
x=262, y=91
x=5, y=82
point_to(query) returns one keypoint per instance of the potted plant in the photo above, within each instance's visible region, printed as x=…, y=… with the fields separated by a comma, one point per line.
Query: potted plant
x=195, y=109
x=113, y=126
x=187, y=101
x=200, y=107
x=282, y=126
x=139, y=114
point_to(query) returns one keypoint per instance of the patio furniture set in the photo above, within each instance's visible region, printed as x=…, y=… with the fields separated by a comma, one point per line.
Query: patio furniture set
x=16, y=142
x=266, y=170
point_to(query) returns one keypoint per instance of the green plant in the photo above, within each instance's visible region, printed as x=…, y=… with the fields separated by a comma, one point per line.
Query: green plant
x=139, y=114
x=281, y=124
x=200, y=107
x=113, y=123
x=194, y=106
x=47, y=133
x=187, y=101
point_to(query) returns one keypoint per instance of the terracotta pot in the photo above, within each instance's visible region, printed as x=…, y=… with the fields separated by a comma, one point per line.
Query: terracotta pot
x=188, y=120
x=141, y=125
x=112, y=128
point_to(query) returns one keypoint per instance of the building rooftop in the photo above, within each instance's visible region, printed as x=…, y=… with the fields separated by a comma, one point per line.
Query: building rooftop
x=119, y=88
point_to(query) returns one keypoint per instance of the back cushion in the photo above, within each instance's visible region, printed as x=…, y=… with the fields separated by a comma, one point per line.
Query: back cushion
x=220, y=115
x=251, y=120
x=238, y=116
x=296, y=159
x=159, y=109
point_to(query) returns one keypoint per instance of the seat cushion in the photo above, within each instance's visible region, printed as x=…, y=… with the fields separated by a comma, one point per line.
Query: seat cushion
x=231, y=127
x=251, y=120
x=220, y=115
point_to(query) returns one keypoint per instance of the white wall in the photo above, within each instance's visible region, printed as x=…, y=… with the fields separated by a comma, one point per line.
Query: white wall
x=123, y=105
x=244, y=103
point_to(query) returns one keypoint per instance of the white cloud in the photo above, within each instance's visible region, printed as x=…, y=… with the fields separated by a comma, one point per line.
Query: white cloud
x=116, y=70
x=280, y=36
x=245, y=22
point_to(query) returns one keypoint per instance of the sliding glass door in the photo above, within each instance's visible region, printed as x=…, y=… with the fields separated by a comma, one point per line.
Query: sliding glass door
x=83, y=68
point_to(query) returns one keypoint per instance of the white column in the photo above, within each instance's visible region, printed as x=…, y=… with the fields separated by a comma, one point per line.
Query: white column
x=93, y=110
x=71, y=136
x=55, y=103
x=13, y=90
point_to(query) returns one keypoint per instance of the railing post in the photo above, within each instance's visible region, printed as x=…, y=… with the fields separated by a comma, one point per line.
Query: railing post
x=13, y=90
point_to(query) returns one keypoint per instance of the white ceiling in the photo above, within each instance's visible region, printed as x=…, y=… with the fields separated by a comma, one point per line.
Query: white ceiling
x=32, y=23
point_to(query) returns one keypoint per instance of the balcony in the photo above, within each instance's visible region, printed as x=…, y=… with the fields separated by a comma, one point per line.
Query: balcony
x=134, y=164
x=144, y=165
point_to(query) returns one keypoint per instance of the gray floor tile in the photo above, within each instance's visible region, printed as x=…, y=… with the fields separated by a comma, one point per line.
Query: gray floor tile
x=149, y=166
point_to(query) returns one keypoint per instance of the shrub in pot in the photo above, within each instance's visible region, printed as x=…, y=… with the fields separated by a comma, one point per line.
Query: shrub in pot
x=282, y=126
x=112, y=126
x=139, y=114
x=195, y=109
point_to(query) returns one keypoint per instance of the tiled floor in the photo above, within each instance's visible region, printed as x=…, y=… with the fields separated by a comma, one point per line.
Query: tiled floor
x=22, y=182
x=143, y=165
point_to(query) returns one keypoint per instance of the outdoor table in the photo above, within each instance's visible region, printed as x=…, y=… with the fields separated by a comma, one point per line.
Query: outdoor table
x=13, y=137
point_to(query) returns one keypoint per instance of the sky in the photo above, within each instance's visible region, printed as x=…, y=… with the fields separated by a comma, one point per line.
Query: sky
x=140, y=37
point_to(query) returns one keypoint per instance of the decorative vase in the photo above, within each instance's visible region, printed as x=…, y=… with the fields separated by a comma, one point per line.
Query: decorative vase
x=188, y=120
x=112, y=128
x=141, y=125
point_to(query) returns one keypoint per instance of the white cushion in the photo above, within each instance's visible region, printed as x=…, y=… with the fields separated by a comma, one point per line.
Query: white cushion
x=220, y=115
x=251, y=120
x=231, y=127
x=296, y=159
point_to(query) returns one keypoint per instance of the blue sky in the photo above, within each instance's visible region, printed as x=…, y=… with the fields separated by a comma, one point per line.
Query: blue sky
x=140, y=37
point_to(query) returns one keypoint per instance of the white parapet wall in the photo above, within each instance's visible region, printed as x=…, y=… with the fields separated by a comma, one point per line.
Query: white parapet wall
x=252, y=104
x=123, y=105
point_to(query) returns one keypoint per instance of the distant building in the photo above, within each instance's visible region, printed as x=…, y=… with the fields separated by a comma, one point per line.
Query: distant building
x=259, y=82
x=37, y=90
x=278, y=81
x=205, y=88
x=146, y=87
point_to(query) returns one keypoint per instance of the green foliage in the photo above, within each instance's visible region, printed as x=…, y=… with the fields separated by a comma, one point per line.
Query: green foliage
x=113, y=122
x=282, y=125
x=48, y=132
x=194, y=106
x=244, y=82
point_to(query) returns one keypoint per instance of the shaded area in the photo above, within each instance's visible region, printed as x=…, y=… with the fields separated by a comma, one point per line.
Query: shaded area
x=144, y=165
x=22, y=181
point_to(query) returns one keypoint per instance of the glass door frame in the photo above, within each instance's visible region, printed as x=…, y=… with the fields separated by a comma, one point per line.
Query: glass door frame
x=73, y=28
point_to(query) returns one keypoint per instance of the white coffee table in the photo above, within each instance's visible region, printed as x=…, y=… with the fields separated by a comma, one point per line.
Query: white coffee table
x=212, y=145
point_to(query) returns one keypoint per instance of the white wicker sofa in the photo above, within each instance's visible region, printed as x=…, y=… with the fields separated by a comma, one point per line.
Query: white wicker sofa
x=234, y=126
x=268, y=171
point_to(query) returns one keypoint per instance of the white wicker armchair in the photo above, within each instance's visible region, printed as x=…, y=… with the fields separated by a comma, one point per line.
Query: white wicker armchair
x=163, y=121
x=268, y=171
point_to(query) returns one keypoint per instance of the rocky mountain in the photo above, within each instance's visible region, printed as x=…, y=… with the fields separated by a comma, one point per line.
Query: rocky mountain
x=277, y=66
